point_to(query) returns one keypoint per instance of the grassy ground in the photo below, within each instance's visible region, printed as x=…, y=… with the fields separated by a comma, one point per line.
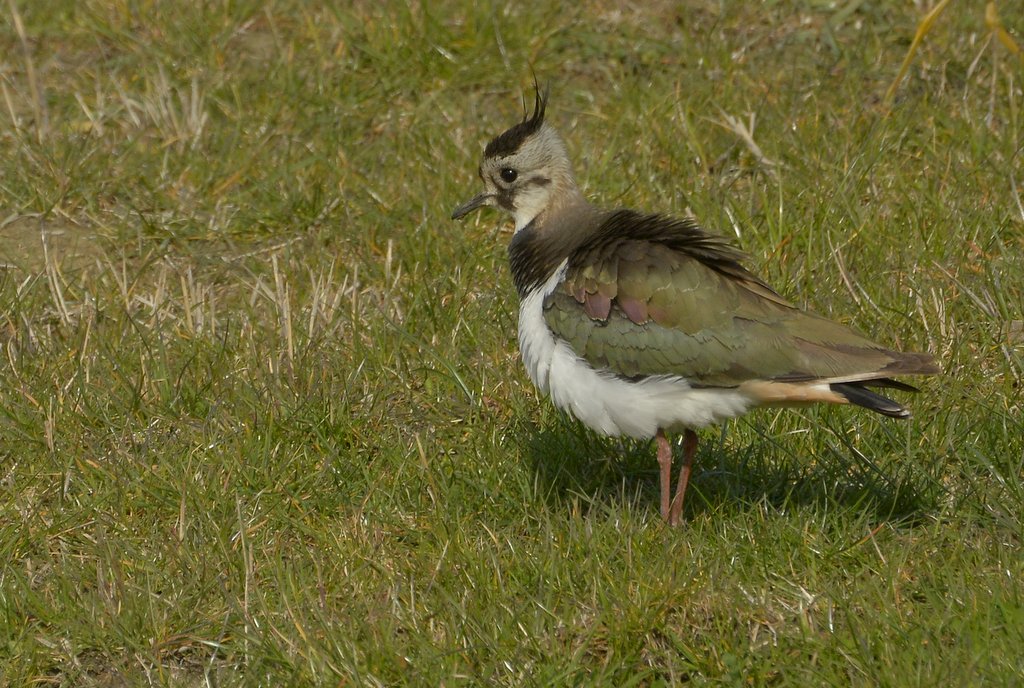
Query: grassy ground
x=262, y=419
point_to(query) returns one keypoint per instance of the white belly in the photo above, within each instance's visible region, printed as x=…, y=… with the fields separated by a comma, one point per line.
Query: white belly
x=605, y=402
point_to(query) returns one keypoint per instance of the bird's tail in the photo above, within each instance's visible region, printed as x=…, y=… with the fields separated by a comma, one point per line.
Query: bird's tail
x=859, y=394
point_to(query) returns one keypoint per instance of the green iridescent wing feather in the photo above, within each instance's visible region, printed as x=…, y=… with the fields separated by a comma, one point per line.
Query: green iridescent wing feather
x=653, y=296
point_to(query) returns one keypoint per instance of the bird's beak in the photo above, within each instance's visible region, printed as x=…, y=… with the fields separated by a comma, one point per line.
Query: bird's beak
x=478, y=201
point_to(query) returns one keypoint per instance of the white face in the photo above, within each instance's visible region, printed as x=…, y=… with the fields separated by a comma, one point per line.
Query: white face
x=524, y=183
x=520, y=184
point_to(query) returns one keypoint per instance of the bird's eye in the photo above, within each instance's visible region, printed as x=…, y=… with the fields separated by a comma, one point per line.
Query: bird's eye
x=508, y=174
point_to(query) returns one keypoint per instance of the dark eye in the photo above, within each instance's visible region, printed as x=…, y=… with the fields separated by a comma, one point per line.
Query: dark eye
x=508, y=174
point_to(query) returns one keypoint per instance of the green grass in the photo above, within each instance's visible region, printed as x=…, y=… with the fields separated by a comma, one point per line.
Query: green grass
x=262, y=419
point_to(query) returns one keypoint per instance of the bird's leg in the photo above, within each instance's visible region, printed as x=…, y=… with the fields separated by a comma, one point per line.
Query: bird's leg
x=665, y=463
x=689, y=449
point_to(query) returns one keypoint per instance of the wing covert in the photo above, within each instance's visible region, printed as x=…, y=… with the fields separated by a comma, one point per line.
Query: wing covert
x=640, y=307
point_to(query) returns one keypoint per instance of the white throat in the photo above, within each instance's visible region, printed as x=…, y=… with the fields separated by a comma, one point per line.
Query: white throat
x=529, y=205
x=549, y=201
x=523, y=218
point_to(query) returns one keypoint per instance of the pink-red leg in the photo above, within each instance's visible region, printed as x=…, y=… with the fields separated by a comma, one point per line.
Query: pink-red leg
x=689, y=449
x=665, y=463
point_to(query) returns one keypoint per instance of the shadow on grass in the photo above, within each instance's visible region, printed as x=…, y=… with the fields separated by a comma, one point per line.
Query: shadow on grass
x=572, y=462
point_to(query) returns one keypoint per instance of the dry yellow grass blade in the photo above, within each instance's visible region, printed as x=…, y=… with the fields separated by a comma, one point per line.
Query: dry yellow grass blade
x=922, y=30
x=995, y=25
x=992, y=21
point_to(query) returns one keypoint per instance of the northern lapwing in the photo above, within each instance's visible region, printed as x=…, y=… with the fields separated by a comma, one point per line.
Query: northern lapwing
x=640, y=324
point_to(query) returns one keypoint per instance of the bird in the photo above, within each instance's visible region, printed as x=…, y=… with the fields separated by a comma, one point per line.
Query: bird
x=643, y=325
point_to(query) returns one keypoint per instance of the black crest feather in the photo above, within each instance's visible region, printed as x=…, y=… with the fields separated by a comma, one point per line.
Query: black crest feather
x=509, y=142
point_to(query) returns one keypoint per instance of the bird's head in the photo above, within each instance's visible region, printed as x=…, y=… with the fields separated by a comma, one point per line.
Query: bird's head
x=526, y=171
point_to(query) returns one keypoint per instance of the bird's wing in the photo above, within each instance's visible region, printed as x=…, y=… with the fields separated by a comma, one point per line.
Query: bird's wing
x=673, y=300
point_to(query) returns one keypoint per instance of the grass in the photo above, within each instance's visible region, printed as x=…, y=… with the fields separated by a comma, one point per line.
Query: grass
x=263, y=420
